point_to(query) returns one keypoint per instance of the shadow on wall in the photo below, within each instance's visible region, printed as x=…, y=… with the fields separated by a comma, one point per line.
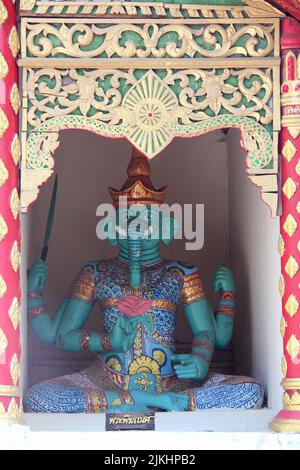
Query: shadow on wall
x=255, y=261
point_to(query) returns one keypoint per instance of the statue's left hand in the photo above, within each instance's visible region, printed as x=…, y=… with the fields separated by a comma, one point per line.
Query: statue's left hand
x=223, y=280
x=188, y=366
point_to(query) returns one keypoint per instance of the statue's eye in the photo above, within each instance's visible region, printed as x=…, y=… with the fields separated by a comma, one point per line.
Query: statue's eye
x=121, y=231
x=148, y=231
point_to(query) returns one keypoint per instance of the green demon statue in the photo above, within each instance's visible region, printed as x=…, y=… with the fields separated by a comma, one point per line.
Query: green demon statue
x=137, y=367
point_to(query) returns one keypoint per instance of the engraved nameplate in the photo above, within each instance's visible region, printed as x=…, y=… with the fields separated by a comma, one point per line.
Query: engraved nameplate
x=130, y=422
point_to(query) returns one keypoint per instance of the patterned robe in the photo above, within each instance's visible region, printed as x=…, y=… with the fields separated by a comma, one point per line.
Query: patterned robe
x=147, y=365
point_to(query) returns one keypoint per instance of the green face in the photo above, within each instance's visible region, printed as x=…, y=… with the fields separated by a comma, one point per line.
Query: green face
x=147, y=226
x=145, y=244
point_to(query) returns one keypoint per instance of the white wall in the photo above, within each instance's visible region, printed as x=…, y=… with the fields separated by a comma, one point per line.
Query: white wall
x=26, y=236
x=256, y=264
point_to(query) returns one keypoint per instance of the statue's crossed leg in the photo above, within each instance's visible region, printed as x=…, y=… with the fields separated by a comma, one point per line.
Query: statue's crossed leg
x=77, y=393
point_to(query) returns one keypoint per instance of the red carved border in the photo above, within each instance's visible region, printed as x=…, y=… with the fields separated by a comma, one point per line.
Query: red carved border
x=9, y=214
x=289, y=245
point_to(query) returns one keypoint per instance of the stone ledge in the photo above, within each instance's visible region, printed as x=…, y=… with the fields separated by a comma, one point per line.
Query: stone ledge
x=211, y=429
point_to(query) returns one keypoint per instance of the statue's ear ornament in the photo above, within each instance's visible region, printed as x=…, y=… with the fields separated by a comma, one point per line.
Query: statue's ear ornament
x=138, y=188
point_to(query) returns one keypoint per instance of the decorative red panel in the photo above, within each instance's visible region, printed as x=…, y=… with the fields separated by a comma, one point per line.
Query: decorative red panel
x=10, y=349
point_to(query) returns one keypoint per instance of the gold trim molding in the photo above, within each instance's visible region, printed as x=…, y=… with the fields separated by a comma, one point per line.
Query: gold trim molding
x=150, y=63
x=10, y=391
x=290, y=384
x=251, y=9
x=286, y=425
x=291, y=402
x=14, y=413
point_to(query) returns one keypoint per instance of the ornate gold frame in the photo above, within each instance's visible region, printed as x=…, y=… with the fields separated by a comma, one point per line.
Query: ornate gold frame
x=251, y=9
x=157, y=90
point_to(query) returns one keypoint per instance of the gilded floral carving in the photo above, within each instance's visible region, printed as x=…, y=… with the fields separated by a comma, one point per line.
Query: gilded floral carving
x=290, y=225
x=148, y=40
x=3, y=228
x=14, y=42
x=16, y=149
x=85, y=87
x=149, y=119
x=15, y=203
x=15, y=256
x=281, y=247
x=15, y=369
x=283, y=366
x=133, y=107
x=3, y=122
x=3, y=173
x=3, y=342
x=45, y=146
x=185, y=60
x=289, y=150
x=3, y=13
x=292, y=305
x=293, y=347
x=217, y=92
x=283, y=326
x=281, y=286
x=289, y=188
x=291, y=401
x=13, y=411
x=15, y=98
x=291, y=267
x=3, y=67
x=14, y=313
x=3, y=287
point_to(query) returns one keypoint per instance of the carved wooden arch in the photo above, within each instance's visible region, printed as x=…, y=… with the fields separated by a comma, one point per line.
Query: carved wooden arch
x=188, y=70
x=258, y=144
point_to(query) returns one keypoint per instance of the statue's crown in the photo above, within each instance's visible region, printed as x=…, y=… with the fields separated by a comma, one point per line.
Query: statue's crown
x=138, y=187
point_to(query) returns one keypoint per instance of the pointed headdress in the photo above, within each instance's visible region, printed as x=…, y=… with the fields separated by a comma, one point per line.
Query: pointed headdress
x=138, y=187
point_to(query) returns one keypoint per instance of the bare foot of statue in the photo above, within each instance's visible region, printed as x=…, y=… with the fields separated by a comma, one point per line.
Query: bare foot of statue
x=167, y=401
x=172, y=401
x=127, y=408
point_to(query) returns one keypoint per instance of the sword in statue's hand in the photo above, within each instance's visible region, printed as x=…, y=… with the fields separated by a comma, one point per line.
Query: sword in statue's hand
x=49, y=221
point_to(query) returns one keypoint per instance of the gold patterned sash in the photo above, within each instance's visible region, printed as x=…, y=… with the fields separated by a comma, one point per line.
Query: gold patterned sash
x=161, y=303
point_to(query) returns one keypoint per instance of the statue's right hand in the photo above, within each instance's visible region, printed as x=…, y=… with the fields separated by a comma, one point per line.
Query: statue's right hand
x=37, y=276
x=122, y=335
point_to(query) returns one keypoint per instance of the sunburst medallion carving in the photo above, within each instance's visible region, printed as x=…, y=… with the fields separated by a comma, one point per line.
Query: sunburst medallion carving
x=151, y=106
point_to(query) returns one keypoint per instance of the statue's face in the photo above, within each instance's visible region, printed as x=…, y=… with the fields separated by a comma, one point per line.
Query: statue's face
x=138, y=230
x=145, y=244
x=149, y=225
x=146, y=226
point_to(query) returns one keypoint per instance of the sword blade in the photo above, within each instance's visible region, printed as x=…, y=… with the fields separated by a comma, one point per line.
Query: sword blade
x=50, y=220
